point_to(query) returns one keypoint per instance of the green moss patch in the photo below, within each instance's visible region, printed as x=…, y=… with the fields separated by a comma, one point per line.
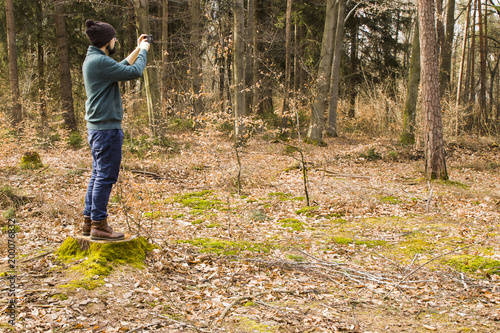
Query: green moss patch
x=391, y=200
x=199, y=201
x=285, y=196
x=292, y=224
x=98, y=261
x=222, y=246
x=249, y=325
x=368, y=243
x=307, y=211
x=474, y=264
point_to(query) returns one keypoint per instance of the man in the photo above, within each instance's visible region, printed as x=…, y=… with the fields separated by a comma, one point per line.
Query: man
x=104, y=114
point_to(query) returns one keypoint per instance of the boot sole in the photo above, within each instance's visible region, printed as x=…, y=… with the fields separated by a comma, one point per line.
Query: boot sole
x=86, y=234
x=107, y=239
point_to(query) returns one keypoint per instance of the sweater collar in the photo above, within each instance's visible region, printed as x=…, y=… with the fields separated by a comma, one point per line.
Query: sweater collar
x=95, y=49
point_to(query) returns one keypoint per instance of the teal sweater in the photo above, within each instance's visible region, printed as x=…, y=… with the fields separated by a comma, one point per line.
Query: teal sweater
x=101, y=75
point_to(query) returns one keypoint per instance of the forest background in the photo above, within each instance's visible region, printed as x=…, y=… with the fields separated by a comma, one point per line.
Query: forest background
x=280, y=155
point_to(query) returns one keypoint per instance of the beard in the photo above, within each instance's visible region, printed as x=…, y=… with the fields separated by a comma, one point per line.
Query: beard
x=111, y=51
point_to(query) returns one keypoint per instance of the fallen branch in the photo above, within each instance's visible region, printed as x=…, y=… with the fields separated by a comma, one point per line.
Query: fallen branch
x=251, y=297
x=345, y=175
x=181, y=323
x=425, y=263
x=148, y=173
x=39, y=256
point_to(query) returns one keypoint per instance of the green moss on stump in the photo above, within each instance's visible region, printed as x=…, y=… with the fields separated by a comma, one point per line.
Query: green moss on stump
x=98, y=260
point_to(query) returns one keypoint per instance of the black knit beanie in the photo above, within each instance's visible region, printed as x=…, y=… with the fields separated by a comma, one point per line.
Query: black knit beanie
x=99, y=33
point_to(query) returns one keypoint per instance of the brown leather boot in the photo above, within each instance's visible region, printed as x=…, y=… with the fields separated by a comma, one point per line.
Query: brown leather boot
x=102, y=231
x=87, y=223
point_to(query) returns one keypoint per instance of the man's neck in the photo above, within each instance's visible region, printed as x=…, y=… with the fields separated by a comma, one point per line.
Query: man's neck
x=105, y=50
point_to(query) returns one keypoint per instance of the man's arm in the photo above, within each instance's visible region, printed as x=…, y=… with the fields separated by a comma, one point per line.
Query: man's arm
x=141, y=44
x=133, y=56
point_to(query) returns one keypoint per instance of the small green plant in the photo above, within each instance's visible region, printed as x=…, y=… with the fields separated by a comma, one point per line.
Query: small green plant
x=116, y=198
x=5, y=229
x=31, y=161
x=392, y=155
x=10, y=213
x=75, y=140
x=179, y=124
x=371, y=155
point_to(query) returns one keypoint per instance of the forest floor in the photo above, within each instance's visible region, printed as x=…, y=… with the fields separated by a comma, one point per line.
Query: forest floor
x=379, y=249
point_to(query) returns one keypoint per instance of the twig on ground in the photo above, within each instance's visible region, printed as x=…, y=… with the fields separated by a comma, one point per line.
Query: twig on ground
x=345, y=175
x=149, y=174
x=425, y=263
x=38, y=256
x=181, y=323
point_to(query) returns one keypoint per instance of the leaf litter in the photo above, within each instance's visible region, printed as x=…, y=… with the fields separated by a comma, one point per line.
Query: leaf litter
x=382, y=250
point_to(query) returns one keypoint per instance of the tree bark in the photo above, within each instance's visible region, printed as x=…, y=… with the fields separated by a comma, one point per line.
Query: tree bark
x=335, y=76
x=447, y=50
x=151, y=81
x=250, y=61
x=66, y=85
x=410, y=110
x=483, y=114
x=42, y=94
x=164, y=53
x=462, y=61
x=316, y=125
x=239, y=70
x=196, y=71
x=16, y=109
x=440, y=25
x=435, y=164
x=288, y=63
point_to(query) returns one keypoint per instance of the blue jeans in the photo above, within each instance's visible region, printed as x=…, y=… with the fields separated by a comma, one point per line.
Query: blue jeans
x=106, y=148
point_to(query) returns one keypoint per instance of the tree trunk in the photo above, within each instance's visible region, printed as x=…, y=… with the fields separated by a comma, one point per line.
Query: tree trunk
x=316, y=125
x=151, y=81
x=435, y=164
x=447, y=50
x=409, y=113
x=66, y=87
x=196, y=71
x=16, y=109
x=483, y=114
x=353, y=81
x=440, y=25
x=164, y=53
x=42, y=94
x=335, y=76
x=462, y=61
x=250, y=60
x=239, y=70
x=288, y=63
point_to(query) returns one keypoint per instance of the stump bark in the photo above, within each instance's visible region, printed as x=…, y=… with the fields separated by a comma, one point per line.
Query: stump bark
x=84, y=242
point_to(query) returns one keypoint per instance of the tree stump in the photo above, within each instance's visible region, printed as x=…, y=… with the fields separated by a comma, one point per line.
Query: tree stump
x=96, y=259
x=84, y=241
